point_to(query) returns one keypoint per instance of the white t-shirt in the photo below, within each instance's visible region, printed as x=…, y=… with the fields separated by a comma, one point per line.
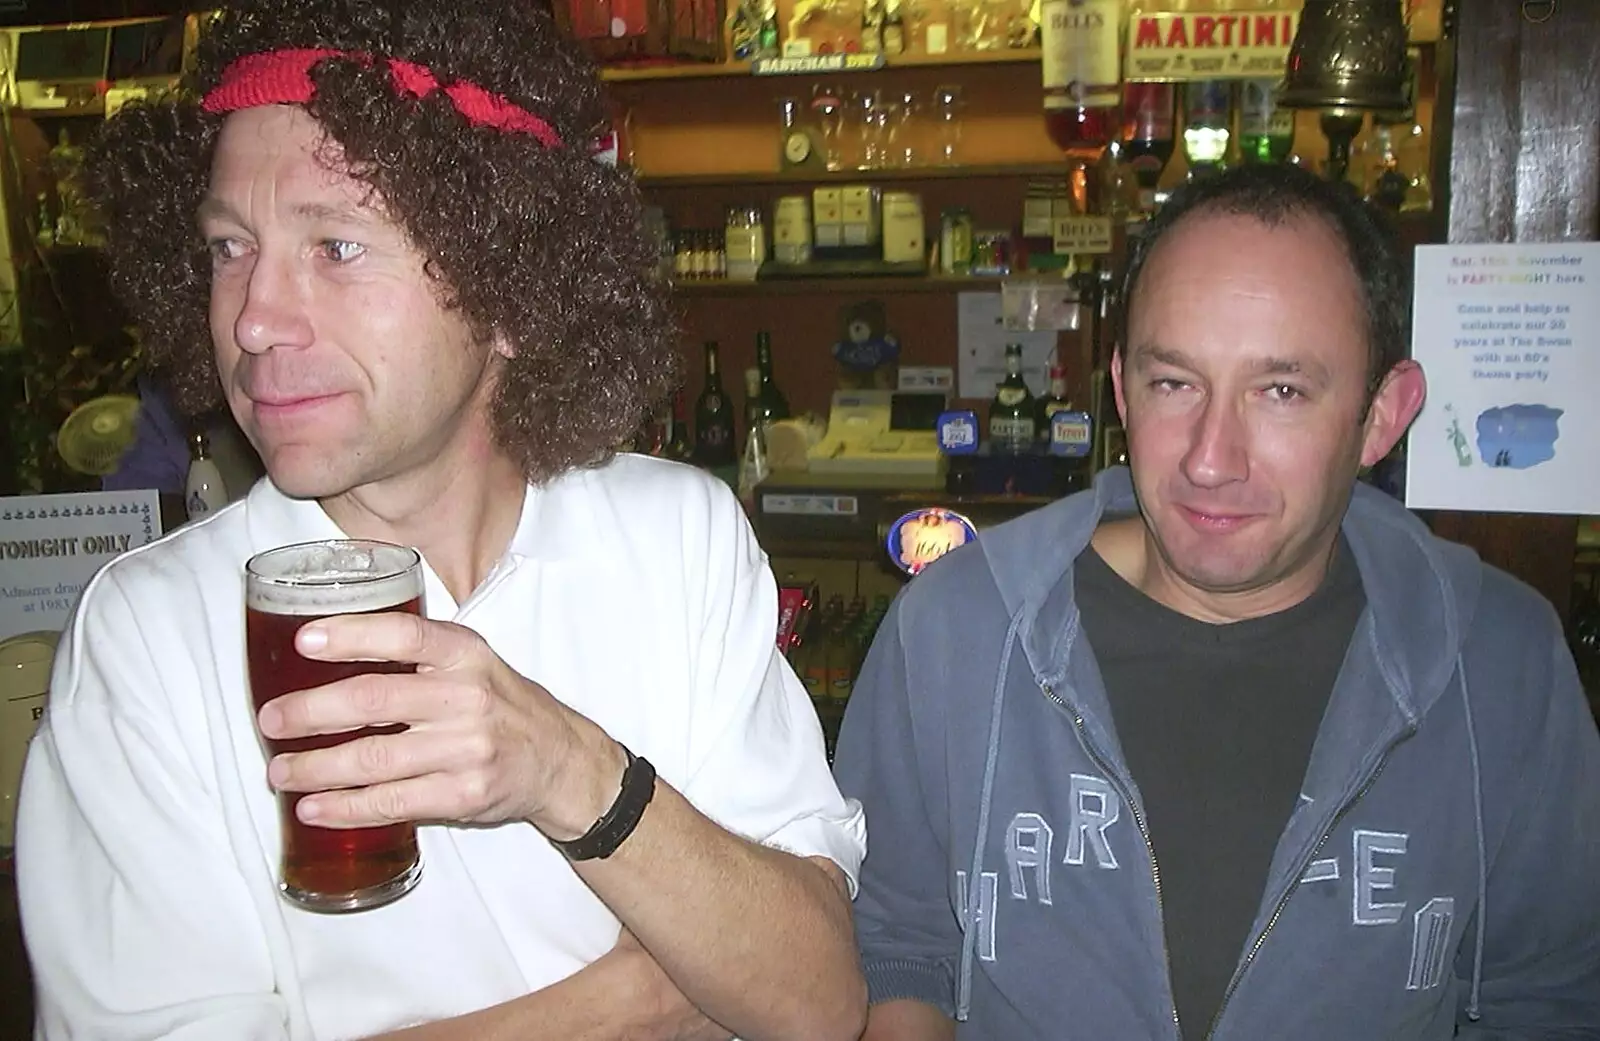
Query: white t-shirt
x=148, y=837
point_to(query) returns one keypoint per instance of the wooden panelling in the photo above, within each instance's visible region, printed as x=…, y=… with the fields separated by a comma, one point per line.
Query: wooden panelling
x=1524, y=167
x=702, y=144
x=724, y=126
x=805, y=326
x=728, y=125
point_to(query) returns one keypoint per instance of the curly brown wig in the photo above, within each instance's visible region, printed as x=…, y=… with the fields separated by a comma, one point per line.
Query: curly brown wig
x=544, y=247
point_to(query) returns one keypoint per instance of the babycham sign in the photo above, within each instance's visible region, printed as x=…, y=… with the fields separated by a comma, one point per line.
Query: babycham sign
x=1232, y=45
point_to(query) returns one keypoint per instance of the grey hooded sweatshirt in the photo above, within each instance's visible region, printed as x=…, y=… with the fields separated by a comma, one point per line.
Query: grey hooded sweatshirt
x=1441, y=870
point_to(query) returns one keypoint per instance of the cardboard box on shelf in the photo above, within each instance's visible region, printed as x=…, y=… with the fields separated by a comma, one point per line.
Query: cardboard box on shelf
x=808, y=27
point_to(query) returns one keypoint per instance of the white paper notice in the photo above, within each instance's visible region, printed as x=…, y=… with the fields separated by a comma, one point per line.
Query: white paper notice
x=982, y=337
x=50, y=546
x=1509, y=337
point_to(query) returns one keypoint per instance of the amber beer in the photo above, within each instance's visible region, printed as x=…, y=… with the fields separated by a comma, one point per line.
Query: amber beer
x=327, y=869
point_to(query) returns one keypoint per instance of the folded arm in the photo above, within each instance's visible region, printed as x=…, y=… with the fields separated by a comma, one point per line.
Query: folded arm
x=735, y=879
x=622, y=996
x=737, y=883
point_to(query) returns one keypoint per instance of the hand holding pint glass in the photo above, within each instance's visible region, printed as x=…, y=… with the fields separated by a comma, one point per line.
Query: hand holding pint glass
x=325, y=869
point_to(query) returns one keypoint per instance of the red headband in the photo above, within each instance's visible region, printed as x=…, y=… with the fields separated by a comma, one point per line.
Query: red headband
x=284, y=78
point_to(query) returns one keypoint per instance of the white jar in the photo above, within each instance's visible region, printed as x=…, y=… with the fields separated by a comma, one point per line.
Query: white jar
x=903, y=234
x=745, y=243
x=792, y=230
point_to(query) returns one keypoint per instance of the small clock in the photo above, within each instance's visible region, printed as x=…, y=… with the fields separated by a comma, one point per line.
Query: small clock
x=797, y=147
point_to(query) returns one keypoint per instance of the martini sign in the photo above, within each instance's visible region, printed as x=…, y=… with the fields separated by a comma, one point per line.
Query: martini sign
x=1186, y=46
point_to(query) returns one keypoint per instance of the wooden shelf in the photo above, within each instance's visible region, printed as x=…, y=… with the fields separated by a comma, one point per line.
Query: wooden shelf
x=840, y=286
x=95, y=109
x=891, y=173
x=734, y=69
x=1004, y=56
x=860, y=550
x=685, y=71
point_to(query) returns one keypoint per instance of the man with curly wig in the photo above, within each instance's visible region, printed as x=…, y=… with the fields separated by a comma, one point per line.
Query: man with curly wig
x=378, y=233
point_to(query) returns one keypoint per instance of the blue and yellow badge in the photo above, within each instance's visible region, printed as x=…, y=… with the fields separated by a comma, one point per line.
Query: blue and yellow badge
x=1071, y=434
x=923, y=536
x=958, y=432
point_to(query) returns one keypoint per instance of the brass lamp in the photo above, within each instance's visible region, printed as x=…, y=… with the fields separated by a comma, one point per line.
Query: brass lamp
x=1348, y=57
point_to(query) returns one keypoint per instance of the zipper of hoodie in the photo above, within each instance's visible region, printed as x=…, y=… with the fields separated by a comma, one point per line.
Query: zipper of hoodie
x=1138, y=820
x=1300, y=870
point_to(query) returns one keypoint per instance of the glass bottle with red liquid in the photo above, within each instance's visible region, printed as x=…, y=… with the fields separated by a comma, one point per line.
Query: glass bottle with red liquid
x=1150, y=120
x=1082, y=68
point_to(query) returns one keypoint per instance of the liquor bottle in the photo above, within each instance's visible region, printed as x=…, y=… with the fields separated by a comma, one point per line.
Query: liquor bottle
x=1206, y=107
x=753, y=460
x=675, y=443
x=1082, y=71
x=773, y=405
x=1050, y=404
x=1266, y=129
x=753, y=467
x=799, y=650
x=1411, y=145
x=651, y=436
x=875, y=616
x=872, y=27
x=1150, y=115
x=65, y=160
x=1386, y=184
x=1011, y=410
x=754, y=414
x=769, y=45
x=744, y=30
x=45, y=233
x=861, y=633
x=819, y=636
x=894, y=29
x=714, y=442
x=1104, y=424
x=841, y=660
x=203, y=490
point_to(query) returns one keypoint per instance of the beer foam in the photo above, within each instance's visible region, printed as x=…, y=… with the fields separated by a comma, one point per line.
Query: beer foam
x=334, y=577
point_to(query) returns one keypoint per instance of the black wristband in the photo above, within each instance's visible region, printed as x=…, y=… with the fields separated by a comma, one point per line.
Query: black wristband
x=617, y=823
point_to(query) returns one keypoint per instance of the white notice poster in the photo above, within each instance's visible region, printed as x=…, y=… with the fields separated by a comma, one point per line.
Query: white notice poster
x=50, y=546
x=982, y=336
x=1509, y=337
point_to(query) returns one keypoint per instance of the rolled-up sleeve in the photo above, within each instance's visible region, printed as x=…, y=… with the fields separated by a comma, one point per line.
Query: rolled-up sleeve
x=757, y=761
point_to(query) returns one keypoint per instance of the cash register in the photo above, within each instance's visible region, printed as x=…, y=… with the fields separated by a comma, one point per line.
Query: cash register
x=880, y=432
x=878, y=444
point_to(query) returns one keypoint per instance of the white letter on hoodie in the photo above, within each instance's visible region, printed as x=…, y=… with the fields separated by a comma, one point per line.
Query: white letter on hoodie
x=1095, y=807
x=1028, y=849
x=1369, y=877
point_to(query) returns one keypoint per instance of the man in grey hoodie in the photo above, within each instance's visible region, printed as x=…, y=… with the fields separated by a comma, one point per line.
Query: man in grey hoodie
x=1230, y=746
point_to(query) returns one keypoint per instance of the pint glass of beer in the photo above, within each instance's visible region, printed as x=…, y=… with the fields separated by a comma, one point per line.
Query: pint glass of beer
x=327, y=869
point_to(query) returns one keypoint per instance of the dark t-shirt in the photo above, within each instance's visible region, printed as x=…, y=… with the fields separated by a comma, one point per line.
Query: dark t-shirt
x=1216, y=723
